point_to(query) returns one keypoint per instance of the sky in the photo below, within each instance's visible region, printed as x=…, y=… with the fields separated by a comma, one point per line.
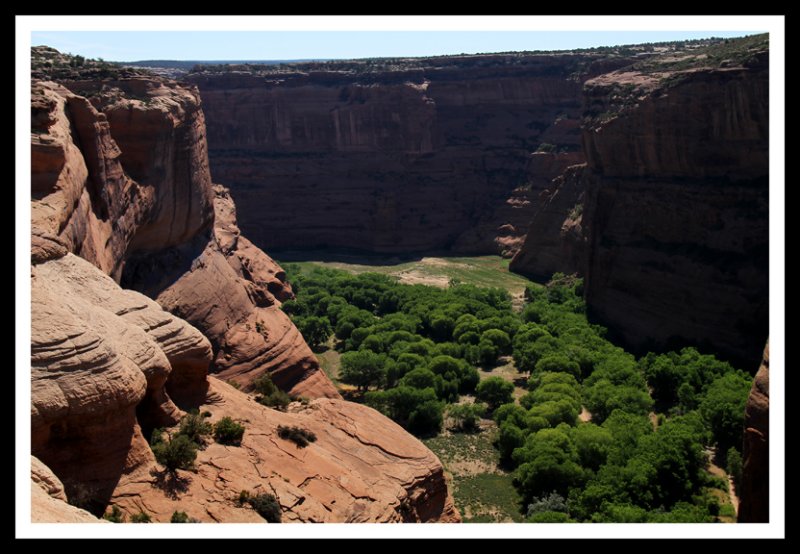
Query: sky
x=296, y=45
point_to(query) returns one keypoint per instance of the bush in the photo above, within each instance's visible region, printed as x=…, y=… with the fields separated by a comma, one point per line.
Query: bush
x=195, y=428
x=227, y=431
x=269, y=393
x=141, y=517
x=466, y=416
x=179, y=517
x=178, y=453
x=549, y=517
x=301, y=437
x=494, y=391
x=553, y=502
x=115, y=515
x=266, y=506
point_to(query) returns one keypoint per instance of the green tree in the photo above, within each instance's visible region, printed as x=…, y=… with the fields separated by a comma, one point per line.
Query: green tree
x=178, y=452
x=494, y=391
x=363, y=369
x=195, y=427
x=420, y=378
x=498, y=338
x=734, y=465
x=547, y=462
x=141, y=517
x=314, y=329
x=418, y=410
x=723, y=408
x=592, y=443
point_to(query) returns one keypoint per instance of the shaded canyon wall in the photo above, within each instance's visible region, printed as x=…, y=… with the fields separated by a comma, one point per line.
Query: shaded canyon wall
x=434, y=157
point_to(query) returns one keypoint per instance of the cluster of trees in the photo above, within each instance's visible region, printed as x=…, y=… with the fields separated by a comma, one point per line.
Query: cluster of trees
x=621, y=466
x=411, y=349
x=636, y=455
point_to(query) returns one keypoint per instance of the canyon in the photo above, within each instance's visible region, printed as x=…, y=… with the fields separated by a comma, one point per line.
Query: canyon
x=644, y=172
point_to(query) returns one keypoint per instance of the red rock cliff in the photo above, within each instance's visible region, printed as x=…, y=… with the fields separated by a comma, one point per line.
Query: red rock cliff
x=673, y=208
x=754, y=488
x=395, y=161
x=109, y=364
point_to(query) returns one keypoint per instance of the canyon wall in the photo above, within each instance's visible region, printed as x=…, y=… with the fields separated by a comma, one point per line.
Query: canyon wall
x=672, y=207
x=435, y=154
x=122, y=193
x=753, y=491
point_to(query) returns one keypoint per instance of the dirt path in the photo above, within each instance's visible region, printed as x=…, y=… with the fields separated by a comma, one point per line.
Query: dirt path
x=719, y=472
x=585, y=415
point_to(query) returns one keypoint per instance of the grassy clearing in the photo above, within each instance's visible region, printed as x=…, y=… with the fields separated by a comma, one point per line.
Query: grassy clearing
x=482, y=271
x=482, y=491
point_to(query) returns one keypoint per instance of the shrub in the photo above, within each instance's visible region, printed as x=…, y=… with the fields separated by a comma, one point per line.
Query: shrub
x=115, y=515
x=227, y=431
x=141, y=517
x=301, y=437
x=466, y=416
x=177, y=453
x=269, y=393
x=194, y=427
x=266, y=506
x=244, y=497
x=179, y=517
x=553, y=502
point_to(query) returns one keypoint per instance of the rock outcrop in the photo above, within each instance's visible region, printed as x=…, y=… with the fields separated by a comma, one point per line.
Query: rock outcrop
x=555, y=241
x=754, y=488
x=101, y=358
x=110, y=364
x=674, y=206
x=122, y=180
x=399, y=159
x=362, y=468
x=49, y=501
x=231, y=290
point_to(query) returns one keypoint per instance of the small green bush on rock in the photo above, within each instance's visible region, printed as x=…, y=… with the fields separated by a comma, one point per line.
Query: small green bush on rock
x=227, y=431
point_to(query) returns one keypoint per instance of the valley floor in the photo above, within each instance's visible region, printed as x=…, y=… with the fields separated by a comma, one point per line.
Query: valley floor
x=482, y=488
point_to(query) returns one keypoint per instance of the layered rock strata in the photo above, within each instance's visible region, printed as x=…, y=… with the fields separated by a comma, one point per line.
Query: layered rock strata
x=110, y=364
x=400, y=160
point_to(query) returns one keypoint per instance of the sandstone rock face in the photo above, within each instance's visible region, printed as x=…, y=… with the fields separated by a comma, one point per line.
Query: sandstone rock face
x=394, y=162
x=48, y=500
x=754, y=493
x=109, y=364
x=231, y=291
x=674, y=210
x=123, y=178
x=555, y=241
x=362, y=468
x=101, y=358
